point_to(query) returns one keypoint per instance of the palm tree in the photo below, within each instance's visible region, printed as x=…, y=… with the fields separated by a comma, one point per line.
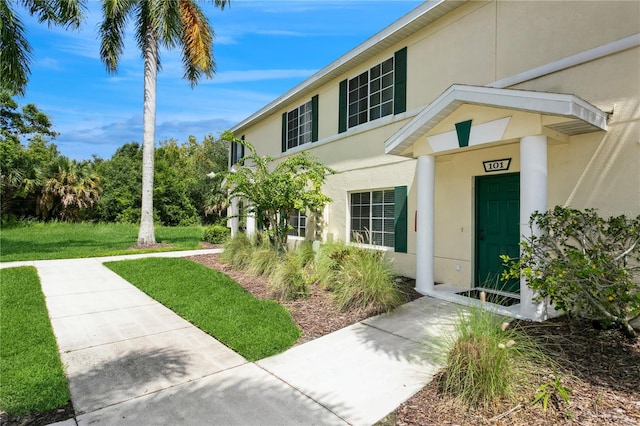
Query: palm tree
x=15, y=50
x=168, y=23
x=68, y=188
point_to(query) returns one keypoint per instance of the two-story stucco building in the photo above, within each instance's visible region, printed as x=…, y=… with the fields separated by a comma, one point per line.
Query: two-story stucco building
x=448, y=128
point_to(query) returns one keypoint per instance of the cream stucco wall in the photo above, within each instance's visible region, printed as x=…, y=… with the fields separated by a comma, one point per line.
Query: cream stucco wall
x=477, y=44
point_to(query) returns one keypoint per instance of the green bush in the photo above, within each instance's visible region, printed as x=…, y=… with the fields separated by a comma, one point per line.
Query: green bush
x=237, y=251
x=216, y=234
x=489, y=362
x=365, y=281
x=586, y=265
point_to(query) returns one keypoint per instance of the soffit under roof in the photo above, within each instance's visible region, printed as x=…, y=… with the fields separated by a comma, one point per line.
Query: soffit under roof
x=581, y=116
x=412, y=22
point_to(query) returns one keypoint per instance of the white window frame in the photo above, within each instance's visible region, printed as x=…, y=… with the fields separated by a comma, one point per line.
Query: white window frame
x=299, y=125
x=370, y=95
x=298, y=231
x=379, y=227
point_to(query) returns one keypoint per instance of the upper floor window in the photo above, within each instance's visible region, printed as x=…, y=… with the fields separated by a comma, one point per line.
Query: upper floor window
x=375, y=93
x=300, y=125
x=371, y=94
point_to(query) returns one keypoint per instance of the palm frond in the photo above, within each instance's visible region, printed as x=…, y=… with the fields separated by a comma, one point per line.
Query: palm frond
x=197, y=39
x=15, y=51
x=112, y=29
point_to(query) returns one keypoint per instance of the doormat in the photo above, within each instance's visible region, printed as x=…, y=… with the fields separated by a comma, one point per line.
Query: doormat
x=498, y=299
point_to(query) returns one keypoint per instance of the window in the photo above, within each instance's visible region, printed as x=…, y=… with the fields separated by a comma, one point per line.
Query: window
x=380, y=218
x=375, y=93
x=299, y=223
x=372, y=217
x=237, y=152
x=371, y=94
x=300, y=125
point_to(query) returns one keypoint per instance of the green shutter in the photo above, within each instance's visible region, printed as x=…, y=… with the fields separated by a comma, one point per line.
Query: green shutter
x=241, y=149
x=400, y=218
x=400, y=82
x=284, y=132
x=314, y=119
x=342, y=107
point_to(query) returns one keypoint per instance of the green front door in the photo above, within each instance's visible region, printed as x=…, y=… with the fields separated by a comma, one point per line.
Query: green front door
x=497, y=228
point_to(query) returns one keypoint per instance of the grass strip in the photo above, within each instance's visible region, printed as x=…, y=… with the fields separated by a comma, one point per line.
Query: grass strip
x=214, y=303
x=32, y=378
x=62, y=240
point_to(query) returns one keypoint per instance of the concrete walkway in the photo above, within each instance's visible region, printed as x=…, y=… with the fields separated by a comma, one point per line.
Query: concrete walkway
x=131, y=361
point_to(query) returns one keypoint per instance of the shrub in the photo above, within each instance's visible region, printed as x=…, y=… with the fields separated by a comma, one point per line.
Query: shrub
x=585, y=264
x=216, y=234
x=289, y=280
x=488, y=361
x=237, y=251
x=365, y=281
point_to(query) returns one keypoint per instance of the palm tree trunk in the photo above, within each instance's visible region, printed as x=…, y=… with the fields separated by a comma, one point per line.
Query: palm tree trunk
x=146, y=234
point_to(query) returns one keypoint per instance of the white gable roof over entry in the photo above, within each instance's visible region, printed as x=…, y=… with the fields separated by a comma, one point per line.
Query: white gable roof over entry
x=581, y=116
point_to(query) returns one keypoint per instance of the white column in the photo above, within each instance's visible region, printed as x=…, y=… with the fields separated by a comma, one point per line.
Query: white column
x=234, y=221
x=533, y=197
x=251, y=224
x=425, y=226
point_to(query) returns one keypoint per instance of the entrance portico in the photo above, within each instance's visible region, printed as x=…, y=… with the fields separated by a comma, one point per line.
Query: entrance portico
x=470, y=118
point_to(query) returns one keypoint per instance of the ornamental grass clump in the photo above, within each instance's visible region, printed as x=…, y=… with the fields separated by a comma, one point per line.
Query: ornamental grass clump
x=489, y=361
x=264, y=259
x=237, y=251
x=365, y=281
x=328, y=262
x=290, y=279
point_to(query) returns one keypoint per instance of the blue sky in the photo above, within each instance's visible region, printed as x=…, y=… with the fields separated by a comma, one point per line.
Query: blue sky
x=262, y=49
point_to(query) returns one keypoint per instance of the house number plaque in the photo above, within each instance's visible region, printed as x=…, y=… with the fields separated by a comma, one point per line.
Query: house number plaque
x=496, y=165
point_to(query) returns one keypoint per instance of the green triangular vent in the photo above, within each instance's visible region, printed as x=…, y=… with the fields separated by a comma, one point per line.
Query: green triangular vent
x=463, y=129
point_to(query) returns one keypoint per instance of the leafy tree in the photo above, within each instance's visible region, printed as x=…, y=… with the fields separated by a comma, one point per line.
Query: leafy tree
x=122, y=185
x=275, y=193
x=168, y=23
x=585, y=264
x=15, y=51
x=181, y=185
x=19, y=181
x=19, y=125
x=173, y=176
x=206, y=162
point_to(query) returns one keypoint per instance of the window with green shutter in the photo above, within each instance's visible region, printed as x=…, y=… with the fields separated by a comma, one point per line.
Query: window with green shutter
x=380, y=218
x=375, y=93
x=300, y=125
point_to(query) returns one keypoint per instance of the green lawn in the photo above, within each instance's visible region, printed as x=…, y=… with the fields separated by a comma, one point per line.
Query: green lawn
x=32, y=378
x=215, y=303
x=60, y=240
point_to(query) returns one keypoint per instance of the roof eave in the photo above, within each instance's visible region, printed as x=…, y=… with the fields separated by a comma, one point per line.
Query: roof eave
x=409, y=23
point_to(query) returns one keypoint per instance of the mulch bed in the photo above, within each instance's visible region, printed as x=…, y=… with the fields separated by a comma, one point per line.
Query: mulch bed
x=600, y=366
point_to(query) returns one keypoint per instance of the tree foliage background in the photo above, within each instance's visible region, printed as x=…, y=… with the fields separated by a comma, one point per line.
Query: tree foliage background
x=37, y=181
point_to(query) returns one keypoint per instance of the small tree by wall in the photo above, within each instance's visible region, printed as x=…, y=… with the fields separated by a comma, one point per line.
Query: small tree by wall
x=587, y=265
x=276, y=190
